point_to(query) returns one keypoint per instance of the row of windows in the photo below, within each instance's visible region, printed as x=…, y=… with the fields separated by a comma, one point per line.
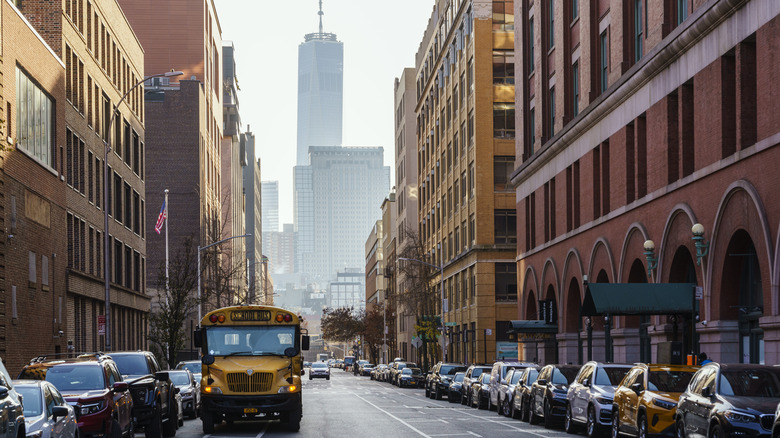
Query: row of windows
x=460, y=290
x=35, y=113
x=85, y=254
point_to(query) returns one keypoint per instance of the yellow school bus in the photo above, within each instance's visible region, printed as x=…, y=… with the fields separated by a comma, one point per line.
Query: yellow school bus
x=252, y=365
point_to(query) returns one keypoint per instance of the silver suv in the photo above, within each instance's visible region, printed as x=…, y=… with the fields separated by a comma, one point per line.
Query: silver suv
x=590, y=397
x=10, y=407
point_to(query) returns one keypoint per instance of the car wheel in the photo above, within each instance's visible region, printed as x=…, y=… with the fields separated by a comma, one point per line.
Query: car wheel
x=170, y=426
x=679, y=427
x=532, y=417
x=327, y=378
x=427, y=392
x=505, y=408
x=615, y=423
x=154, y=429
x=524, y=410
x=642, y=426
x=716, y=431
x=293, y=420
x=437, y=394
x=592, y=428
x=116, y=429
x=568, y=422
x=463, y=398
x=513, y=412
x=481, y=402
x=450, y=397
x=548, y=421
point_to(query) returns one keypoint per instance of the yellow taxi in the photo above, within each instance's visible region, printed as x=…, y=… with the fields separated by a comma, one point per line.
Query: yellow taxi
x=646, y=400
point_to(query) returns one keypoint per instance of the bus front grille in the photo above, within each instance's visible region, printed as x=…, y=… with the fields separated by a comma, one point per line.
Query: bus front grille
x=242, y=382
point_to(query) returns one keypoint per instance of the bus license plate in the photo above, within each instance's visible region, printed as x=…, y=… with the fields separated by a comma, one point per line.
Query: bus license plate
x=250, y=410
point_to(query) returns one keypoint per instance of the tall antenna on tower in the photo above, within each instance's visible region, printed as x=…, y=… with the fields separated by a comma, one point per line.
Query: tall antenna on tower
x=320, y=13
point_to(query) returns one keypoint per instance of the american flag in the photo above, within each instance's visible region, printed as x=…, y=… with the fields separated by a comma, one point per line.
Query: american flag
x=161, y=218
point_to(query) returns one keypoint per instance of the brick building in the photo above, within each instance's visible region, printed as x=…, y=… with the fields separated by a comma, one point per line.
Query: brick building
x=465, y=131
x=103, y=60
x=32, y=252
x=641, y=119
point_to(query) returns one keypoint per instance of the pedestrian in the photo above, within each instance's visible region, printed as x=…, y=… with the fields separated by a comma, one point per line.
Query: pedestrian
x=703, y=359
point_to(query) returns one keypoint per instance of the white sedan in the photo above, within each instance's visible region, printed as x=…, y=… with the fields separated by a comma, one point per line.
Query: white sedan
x=46, y=413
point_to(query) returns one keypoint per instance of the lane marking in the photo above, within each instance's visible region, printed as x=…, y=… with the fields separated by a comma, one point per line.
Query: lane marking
x=443, y=421
x=419, y=432
x=262, y=432
x=474, y=434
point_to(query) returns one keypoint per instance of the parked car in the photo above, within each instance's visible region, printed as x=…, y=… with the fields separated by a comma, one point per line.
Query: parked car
x=194, y=366
x=319, y=370
x=396, y=369
x=646, y=399
x=729, y=400
x=365, y=369
x=472, y=376
x=378, y=371
x=454, y=390
x=94, y=387
x=411, y=377
x=521, y=402
x=46, y=413
x=189, y=389
x=155, y=407
x=479, y=393
x=497, y=376
x=591, y=395
x=548, y=393
x=506, y=391
x=11, y=410
x=357, y=366
x=437, y=383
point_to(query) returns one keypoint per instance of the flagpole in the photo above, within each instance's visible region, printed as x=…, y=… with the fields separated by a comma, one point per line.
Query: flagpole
x=167, y=286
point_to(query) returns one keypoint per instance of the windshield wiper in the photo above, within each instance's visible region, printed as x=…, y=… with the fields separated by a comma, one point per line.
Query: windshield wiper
x=239, y=353
x=251, y=353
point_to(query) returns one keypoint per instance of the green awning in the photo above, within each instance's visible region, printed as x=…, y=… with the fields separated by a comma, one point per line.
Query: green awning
x=638, y=299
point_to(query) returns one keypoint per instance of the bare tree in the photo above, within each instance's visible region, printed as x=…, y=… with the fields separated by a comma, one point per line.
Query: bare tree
x=223, y=277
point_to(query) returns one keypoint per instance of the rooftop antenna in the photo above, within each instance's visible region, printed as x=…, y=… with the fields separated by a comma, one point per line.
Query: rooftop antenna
x=320, y=13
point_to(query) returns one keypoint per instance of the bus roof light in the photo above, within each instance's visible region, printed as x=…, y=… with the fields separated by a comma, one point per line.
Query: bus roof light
x=213, y=318
x=221, y=318
x=279, y=317
x=288, y=318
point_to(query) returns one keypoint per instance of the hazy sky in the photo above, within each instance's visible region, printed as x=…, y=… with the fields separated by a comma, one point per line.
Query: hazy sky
x=380, y=39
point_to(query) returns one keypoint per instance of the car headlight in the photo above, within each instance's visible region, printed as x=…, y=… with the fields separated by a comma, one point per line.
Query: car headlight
x=91, y=408
x=212, y=390
x=664, y=404
x=604, y=400
x=739, y=417
x=36, y=434
x=287, y=389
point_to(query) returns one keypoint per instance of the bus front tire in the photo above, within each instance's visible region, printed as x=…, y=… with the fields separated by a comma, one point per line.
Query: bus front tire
x=293, y=420
x=208, y=421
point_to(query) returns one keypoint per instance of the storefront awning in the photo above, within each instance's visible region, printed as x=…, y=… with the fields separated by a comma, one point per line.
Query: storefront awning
x=638, y=299
x=533, y=331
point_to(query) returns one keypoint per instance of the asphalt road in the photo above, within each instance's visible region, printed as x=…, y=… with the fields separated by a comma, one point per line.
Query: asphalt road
x=348, y=405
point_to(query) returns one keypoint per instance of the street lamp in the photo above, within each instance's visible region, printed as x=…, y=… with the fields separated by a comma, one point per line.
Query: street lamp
x=201, y=248
x=443, y=327
x=264, y=260
x=106, y=240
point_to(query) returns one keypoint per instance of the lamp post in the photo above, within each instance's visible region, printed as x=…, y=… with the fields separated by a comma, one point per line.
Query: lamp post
x=441, y=270
x=201, y=248
x=652, y=260
x=106, y=240
x=264, y=260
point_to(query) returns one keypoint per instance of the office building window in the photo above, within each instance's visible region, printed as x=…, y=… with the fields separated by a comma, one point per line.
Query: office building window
x=503, y=120
x=530, y=45
x=506, y=282
x=551, y=28
x=503, y=15
x=637, y=30
x=575, y=9
x=505, y=226
x=604, y=59
x=532, y=128
x=503, y=67
x=575, y=79
x=552, y=112
x=34, y=120
x=682, y=11
x=502, y=169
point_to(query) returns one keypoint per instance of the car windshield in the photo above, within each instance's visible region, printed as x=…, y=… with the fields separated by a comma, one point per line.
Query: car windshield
x=194, y=367
x=476, y=372
x=668, y=381
x=610, y=375
x=179, y=379
x=459, y=377
x=516, y=377
x=32, y=400
x=750, y=382
x=406, y=371
x=76, y=378
x=131, y=364
x=451, y=369
x=485, y=378
x=564, y=376
x=250, y=340
x=319, y=365
x=533, y=373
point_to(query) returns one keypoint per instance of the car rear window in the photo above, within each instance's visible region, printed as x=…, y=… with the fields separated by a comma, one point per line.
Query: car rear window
x=451, y=369
x=132, y=364
x=32, y=400
x=319, y=365
x=516, y=377
x=179, y=379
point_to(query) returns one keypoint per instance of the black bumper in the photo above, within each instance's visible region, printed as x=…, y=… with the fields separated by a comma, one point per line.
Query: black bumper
x=236, y=406
x=143, y=414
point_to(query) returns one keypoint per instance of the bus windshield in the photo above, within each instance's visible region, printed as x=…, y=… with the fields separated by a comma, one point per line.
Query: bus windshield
x=249, y=340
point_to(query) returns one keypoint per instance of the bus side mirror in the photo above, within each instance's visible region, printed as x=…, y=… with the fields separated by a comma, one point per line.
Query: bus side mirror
x=196, y=338
x=305, y=342
x=290, y=352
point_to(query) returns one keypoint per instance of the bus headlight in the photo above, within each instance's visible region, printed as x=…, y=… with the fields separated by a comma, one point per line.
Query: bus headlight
x=287, y=389
x=212, y=390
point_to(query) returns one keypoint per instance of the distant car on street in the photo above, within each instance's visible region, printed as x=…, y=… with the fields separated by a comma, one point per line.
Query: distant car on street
x=195, y=367
x=521, y=401
x=437, y=383
x=189, y=389
x=319, y=370
x=590, y=397
x=454, y=391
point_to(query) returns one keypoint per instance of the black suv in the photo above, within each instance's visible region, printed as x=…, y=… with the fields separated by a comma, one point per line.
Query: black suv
x=438, y=381
x=154, y=396
x=91, y=384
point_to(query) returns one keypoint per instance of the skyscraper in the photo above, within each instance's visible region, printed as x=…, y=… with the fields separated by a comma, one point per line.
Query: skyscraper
x=320, y=91
x=270, y=206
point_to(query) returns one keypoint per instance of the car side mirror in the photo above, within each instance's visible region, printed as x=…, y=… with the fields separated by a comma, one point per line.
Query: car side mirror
x=706, y=392
x=305, y=342
x=120, y=386
x=3, y=392
x=176, y=390
x=586, y=382
x=161, y=375
x=503, y=381
x=637, y=387
x=542, y=382
x=59, y=411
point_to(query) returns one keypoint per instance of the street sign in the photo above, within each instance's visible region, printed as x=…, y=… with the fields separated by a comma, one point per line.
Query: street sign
x=101, y=325
x=451, y=324
x=488, y=332
x=384, y=348
x=699, y=293
x=446, y=305
x=417, y=342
